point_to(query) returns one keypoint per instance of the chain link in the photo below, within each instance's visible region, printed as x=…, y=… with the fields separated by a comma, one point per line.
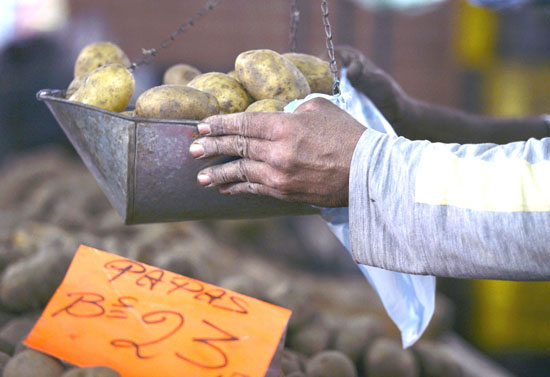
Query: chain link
x=149, y=54
x=294, y=19
x=330, y=48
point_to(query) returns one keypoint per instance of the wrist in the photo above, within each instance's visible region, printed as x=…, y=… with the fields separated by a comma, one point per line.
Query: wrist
x=404, y=122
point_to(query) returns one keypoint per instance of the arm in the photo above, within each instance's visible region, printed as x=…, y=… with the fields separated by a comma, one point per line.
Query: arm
x=417, y=120
x=423, y=121
x=415, y=206
x=466, y=211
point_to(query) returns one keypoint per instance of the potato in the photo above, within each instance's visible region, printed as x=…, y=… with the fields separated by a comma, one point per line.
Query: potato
x=74, y=85
x=4, y=358
x=233, y=74
x=267, y=105
x=291, y=361
x=98, y=54
x=356, y=334
x=295, y=299
x=176, y=102
x=437, y=359
x=316, y=71
x=7, y=348
x=243, y=284
x=109, y=87
x=387, y=358
x=29, y=283
x=180, y=74
x=330, y=364
x=230, y=94
x=296, y=374
x=91, y=372
x=192, y=265
x=267, y=74
x=14, y=332
x=443, y=318
x=30, y=363
x=313, y=337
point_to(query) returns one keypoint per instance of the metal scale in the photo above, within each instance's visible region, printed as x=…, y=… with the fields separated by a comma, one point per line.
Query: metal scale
x=144, y=166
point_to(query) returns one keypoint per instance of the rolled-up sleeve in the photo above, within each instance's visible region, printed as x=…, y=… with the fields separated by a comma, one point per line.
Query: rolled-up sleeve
x=466, y=211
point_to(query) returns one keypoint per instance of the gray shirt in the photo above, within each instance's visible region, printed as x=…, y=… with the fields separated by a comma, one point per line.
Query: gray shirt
x=467, y=211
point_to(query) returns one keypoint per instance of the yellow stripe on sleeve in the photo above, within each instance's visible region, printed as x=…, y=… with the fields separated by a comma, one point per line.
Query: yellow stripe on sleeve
x=499, y=186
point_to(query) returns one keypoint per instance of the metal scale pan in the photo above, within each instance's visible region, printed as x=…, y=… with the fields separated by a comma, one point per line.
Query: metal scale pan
x=145, y=169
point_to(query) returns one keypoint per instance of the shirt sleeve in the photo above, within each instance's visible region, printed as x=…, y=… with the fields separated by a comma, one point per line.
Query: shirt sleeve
x=464, y=211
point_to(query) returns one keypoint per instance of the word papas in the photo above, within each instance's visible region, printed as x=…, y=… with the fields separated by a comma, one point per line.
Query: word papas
x=143, y=321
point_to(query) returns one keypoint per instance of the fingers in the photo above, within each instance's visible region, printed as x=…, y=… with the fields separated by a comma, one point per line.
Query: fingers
x=248, y=177
x=355, y=71
x=253, y=188
x=261, y=189
x=361, y=71
x=233, y=145
x=253, y=124
x=362, y=66
x=345, y=55
x=241, y=170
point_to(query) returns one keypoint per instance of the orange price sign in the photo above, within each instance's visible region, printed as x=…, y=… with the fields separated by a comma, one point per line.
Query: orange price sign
x=144, y=321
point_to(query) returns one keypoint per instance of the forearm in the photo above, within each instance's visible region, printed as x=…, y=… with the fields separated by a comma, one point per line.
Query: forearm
x=466, y=211
x=423, y=121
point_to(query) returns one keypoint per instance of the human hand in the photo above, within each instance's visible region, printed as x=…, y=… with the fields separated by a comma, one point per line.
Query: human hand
x=381, y=88
x=303, y=157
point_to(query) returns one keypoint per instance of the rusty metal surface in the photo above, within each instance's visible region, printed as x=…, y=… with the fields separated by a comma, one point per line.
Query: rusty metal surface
x=145, y=169
x=105, y=143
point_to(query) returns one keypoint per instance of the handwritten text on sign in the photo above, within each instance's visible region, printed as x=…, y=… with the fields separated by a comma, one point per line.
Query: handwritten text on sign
x=144, y=321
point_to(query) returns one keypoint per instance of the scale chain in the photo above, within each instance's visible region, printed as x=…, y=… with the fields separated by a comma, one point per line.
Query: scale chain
x=149, y=54
x=294, y=19
x=330, y=48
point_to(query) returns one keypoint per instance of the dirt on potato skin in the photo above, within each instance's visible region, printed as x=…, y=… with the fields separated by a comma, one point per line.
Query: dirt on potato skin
x=176, y=102
x=267, y=74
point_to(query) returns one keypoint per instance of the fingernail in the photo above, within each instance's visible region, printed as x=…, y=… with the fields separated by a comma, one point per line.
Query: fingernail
x=204, y=179
x=204, y=129
x=196, y=150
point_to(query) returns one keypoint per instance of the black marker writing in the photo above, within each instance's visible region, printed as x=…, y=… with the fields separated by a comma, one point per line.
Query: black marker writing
x=124, y=266
x=151, y=278
x=208, y=342
x=86, y=305
x=151, y=318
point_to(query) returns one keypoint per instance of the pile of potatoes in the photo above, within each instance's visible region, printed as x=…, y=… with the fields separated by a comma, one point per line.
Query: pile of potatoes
x=102, y=77
x=263, y=80
x=49, y=204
